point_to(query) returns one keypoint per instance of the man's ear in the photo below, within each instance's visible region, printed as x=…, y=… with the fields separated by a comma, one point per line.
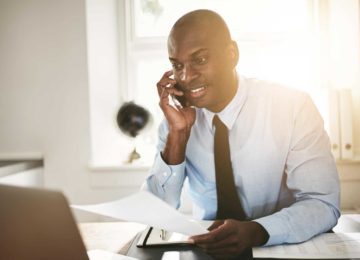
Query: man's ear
x=233, y=54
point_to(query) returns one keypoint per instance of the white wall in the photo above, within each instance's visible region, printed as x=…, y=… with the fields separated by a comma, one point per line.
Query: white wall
x=106, y=44
x=44, y=94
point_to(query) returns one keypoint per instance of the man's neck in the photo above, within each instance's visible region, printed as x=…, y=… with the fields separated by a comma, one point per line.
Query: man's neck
x=233, y=85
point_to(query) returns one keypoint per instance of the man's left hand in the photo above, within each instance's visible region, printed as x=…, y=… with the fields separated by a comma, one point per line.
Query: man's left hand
x=229, y=238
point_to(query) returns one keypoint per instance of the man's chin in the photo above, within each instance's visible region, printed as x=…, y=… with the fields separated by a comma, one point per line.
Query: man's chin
x=198, y=104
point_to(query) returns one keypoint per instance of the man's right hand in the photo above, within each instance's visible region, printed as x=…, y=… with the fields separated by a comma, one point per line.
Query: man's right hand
x=180, y=120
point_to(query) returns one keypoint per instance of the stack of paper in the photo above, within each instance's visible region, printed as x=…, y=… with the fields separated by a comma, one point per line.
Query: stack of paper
x=324, y=246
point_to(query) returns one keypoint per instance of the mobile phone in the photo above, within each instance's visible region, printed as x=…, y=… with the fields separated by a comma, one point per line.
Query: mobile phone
x=182, y=99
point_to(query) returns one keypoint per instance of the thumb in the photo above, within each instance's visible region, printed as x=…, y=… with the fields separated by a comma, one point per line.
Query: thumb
x=215, y=224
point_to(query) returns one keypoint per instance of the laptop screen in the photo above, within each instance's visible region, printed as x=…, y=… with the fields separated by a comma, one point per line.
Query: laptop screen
x=37, y=224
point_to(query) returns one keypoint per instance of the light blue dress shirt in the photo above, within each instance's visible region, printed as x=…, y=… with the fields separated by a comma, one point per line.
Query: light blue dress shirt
x=284, y=171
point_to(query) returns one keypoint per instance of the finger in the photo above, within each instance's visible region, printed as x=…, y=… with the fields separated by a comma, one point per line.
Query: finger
x=163, y=93
x=203, y=237
x=165, y=102
x=178, y=105
x=229, y=240
x=207, y=238
x=222, y=230
x=174, y=91
x=166, y=107
x=221, y=236
x=226, y=229
x=188, y=109
x=219, y=244
x=165, y=83
x=215, y=224
x=222, y=245
x=168, y=74
x=165, y=79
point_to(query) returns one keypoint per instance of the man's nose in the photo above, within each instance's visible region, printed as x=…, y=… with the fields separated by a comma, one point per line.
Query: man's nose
x=188, y=74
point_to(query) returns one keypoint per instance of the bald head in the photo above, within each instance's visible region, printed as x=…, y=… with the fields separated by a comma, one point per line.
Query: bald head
x=204, y=59
x=205, y=21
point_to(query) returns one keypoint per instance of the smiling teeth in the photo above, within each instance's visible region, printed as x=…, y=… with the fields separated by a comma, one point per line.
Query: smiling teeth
x=197, y=90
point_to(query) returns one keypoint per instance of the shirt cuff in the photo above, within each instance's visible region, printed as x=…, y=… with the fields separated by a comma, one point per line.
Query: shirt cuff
x=275, y=228
x=168, y=174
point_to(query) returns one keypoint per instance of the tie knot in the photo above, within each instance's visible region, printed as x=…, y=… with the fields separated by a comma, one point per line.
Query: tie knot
x=217, y=122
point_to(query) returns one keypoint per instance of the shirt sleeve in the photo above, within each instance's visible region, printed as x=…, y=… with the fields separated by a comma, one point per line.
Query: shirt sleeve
x=165, y=181
x=312, y=179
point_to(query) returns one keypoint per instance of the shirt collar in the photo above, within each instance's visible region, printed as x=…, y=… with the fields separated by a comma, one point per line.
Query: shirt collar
x=229, y=114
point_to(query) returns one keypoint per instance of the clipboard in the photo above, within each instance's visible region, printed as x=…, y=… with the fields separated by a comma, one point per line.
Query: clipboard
x=152, y=237
x=183, y=251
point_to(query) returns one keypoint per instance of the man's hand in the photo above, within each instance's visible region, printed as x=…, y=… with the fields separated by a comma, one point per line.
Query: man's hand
x=180, y=120
x=230, y=238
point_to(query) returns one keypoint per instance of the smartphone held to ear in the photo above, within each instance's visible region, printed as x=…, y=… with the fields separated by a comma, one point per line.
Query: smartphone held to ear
x=182, y=100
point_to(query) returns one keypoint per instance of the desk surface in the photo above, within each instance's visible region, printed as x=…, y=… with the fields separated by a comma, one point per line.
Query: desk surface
x=116, y=236
x=109, y=236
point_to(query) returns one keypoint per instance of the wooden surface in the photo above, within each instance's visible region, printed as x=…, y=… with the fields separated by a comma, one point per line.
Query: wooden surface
x=109, y=236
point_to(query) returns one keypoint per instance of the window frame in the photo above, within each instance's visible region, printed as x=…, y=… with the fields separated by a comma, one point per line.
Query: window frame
x=131, y=45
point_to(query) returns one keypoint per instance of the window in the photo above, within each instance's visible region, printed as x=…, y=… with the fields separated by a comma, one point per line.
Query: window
x=312, y=45
x=275, y=38
x=276, y=41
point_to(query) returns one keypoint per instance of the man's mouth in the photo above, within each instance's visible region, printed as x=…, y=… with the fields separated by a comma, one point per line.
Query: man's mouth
x=198, y=91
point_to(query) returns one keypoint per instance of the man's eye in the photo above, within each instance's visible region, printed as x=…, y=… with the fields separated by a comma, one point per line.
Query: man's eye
x=176, y=66
x=201, y=60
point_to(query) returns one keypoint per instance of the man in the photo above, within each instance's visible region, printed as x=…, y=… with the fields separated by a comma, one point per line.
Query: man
x=283, y=173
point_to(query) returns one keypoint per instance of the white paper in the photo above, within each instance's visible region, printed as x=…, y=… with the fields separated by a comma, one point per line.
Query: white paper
x=324, y=246
x=145, y=208
x=348, y=223
x=97, y=254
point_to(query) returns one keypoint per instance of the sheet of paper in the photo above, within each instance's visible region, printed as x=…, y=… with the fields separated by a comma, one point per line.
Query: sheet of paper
x=97, y=254
x=145, y=208
x=348, y=223
x=324, y=246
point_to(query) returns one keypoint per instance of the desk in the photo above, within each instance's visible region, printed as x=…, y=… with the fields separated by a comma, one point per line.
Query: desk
x=110, y=236
x=117, y=236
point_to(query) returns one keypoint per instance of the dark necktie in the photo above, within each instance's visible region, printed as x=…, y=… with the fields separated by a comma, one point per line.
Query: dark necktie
x=229, y=205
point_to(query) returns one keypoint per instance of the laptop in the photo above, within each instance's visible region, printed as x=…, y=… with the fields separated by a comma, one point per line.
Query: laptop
x=37, y=224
